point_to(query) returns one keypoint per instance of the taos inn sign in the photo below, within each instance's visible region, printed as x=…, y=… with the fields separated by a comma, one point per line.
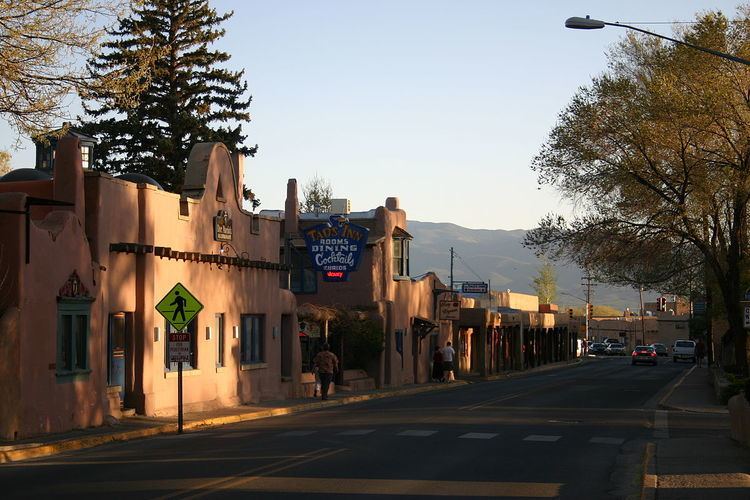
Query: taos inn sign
x=335, y=247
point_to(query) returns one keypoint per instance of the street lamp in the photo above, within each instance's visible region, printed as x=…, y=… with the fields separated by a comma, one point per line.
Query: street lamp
x=586, y=23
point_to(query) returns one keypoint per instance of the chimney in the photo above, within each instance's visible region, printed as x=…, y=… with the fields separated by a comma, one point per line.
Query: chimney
x=291, y=207
x=391, y=203
x=68, y=180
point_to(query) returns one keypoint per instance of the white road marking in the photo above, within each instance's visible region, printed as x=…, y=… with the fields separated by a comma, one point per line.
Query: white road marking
x=416, y=433
x=356, y=432
x=542, y=438
x=661, y=424
x=606, y=440
x=297, y=433
x=477, y=435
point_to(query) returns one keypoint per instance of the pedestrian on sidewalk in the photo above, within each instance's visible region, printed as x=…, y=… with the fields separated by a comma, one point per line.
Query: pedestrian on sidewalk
x=700, y=351
x=316, y=386
x=437, y=366
x=448, y=355
x=327, y=364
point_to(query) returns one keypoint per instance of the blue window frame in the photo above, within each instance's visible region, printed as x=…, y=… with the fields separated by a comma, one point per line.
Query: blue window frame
x=73, y=337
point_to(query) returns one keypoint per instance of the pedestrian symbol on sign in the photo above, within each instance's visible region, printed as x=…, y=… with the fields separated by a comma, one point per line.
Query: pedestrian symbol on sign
x=179, y=307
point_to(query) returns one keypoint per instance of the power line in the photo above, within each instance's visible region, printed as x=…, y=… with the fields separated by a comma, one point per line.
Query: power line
x=467, y=266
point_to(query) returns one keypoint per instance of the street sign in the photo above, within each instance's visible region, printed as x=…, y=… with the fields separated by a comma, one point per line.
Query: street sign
x=179, y=347
x=179, y=307
x=474, y=287
x=747, y=316
x=450, y=310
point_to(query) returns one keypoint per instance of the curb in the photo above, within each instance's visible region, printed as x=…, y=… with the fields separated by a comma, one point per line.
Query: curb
x=26, y=452
x=669, y=393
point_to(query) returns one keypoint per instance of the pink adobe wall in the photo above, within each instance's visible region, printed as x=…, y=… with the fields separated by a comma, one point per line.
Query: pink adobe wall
x=137, y=282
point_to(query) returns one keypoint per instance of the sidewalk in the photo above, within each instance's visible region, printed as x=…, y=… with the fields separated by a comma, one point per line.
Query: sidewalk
x=139, y=427
x=706, y=466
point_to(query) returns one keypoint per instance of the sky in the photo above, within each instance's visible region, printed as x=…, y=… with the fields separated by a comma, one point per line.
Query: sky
x=442, y=104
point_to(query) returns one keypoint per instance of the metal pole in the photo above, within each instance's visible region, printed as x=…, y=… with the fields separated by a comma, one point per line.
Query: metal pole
x=643, y=321
x=451, y=269
x=179, y=397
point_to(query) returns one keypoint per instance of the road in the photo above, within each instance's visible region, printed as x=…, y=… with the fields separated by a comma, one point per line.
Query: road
x=576, y=432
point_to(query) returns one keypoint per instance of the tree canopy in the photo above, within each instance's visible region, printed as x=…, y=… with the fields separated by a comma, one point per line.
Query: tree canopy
x=545, y=283
x=188, y=97
x=656, y=155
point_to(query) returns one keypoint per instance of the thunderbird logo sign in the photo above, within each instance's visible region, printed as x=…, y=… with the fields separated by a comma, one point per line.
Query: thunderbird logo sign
x=336, y=247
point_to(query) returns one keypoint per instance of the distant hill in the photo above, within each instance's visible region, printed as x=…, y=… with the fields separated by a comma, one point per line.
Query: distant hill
x=497, y=255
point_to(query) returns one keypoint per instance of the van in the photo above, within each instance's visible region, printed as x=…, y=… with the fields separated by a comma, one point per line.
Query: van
x=683, y=349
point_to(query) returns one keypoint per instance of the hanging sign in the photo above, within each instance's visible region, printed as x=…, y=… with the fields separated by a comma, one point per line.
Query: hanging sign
x=222, y=226
x=450, y=310
x=335, y=248
x=474, y=287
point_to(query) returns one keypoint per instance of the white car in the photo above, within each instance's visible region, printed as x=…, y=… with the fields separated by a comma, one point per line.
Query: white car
x=683, y=349
x=615, y=349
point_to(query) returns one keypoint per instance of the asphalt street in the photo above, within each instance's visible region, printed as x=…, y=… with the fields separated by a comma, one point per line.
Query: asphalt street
x=577, y=432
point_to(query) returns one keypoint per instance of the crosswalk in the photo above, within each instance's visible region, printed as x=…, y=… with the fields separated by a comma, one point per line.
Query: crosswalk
x=426, y=433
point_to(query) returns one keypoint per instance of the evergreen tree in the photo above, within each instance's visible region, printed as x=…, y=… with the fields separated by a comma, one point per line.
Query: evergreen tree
x=188, y=98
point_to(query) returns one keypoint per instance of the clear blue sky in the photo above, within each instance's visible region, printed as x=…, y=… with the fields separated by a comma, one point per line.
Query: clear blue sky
x=441, y=103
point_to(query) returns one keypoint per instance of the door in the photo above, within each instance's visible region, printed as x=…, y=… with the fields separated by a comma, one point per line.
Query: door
x=117, y=352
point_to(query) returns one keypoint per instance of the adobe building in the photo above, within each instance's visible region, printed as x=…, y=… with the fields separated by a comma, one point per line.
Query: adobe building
x=382, y=289
x=85, y=258
x=511, y=331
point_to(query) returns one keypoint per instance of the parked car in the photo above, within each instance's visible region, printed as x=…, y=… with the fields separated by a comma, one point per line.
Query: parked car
x=661, y=349
x=644, y=354
x=616, y=349
x=598, y=348
x=683, y=349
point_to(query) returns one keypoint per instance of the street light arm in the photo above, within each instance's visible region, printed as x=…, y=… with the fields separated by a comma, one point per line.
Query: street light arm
x=688, y=44
x=586, y=23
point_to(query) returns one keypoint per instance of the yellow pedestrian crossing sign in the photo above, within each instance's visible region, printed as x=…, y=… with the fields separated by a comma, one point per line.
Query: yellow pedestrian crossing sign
x=179, y=307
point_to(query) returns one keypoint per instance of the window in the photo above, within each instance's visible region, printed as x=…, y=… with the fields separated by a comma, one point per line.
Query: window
x=192, y=329
x=252, y=341
x=219, y=324
x=73, y=337
x=400, y=257
x=304, y=279
x=85, y=156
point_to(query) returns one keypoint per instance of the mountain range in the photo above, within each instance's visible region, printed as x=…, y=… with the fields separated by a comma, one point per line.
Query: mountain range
x=497, y=256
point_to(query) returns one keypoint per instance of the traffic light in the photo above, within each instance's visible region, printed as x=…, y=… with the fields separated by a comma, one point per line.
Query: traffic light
x=570, y=312
x=661, y=303
x=591, y=310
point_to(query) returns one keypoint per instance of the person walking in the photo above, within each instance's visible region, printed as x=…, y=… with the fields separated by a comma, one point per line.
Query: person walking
x=700, y=351
x=327, y=364
x=437, y=366
x=448, y=355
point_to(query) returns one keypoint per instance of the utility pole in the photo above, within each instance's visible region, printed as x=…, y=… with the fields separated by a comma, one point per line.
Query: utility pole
x=452, y=269
x=643, y=322
x=587, y=283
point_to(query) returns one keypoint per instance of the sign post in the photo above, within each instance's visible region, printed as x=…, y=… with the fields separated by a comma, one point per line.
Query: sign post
x=179, y=307
x=474, y=287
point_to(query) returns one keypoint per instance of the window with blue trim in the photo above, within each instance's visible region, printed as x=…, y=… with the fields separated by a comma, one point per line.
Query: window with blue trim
x=73, y=337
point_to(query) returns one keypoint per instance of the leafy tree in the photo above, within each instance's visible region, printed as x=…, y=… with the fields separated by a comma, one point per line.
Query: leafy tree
x=4, y=163
x=189, y=97
x=656, y=154
x=317, y=193
x=41, y=45
x=545, y=283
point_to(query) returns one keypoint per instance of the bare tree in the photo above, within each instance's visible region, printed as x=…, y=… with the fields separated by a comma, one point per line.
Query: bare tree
x=43, y=48
x=316, y=193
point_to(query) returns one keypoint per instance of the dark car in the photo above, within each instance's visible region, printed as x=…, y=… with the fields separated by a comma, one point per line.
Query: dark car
x=661, y=349
x=644, y=354
x=598, y=348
